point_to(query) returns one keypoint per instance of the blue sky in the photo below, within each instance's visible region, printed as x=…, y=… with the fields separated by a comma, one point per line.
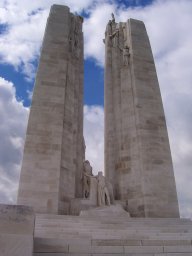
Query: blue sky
x=22, y=25
x=93, y=73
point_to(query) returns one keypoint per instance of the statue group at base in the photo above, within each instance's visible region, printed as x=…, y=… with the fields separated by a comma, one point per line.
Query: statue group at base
x=104, y=191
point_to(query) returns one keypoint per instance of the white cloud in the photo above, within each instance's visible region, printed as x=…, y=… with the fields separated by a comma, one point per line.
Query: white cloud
x=13, y=122
x=94, y=31
x=24, y=28
x=10, y=9
x=20, y=44
x=93, y=133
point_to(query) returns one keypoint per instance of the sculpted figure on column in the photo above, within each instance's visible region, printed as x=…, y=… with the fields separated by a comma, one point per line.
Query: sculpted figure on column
x=113, y=17
x=126, y=56
x=87, y=172
x=137, y=153
x=103, y=193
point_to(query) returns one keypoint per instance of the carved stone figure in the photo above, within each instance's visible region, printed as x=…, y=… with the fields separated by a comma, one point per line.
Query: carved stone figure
x=87, y=172
x=126, y=56
x=103, y=193
x=88, y=168
x=110, y=190
x=108, y=28
x=74, y=35
x=115, y=38
x=113, y=17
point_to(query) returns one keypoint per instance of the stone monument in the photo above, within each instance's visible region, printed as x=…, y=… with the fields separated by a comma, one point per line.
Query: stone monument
x=138, y=162
x=57, y=182
x=137, y=154
x=54, y=146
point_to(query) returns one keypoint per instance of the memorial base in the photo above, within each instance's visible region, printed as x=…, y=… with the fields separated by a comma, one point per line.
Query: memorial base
x=111, y=234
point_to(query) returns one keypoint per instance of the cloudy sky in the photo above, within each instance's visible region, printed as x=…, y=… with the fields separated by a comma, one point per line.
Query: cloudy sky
x=22, y=24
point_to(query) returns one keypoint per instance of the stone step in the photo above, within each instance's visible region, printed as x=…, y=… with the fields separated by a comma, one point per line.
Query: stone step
x=125, y=240
x=115, y=235
x=138, y=242
x=111, y=226
x=113, y=254
x=103, y=230
x=57, y=246
x=114, y=221
x=131, y=220
x=116, y=227
x=110, y=222
x=116, y=230
x=109, y=242
x=73, y=235
x=88, y=222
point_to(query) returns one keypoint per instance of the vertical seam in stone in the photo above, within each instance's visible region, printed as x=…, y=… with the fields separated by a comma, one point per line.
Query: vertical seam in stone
x=65, y=88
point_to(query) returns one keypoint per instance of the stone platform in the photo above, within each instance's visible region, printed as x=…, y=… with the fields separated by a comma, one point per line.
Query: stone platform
x=16, y=230
x=92, y=235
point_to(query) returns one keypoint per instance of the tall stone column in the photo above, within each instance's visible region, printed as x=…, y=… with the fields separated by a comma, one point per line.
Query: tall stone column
x=54, y=147
x=137, y=153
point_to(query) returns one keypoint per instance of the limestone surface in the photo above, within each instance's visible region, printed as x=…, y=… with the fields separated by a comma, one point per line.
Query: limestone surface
x=138, y=163
x=16, y=230
x=137, y=154
x=54, y=146
x=109, y=234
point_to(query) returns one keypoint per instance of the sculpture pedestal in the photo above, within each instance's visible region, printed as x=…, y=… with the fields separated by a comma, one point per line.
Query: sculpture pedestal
x=79, y=204
x=106, y=211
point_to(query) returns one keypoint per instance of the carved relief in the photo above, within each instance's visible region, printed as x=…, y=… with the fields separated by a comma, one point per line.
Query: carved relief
x=113, y=17
x=126, y=56
x=103, y=193
x=74, y=36
x=87, y=173
x=115, y=38
x=116, y=35
x=112, y=32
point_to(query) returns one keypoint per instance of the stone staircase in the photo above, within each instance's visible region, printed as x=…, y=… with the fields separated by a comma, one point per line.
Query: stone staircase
x=91, y=235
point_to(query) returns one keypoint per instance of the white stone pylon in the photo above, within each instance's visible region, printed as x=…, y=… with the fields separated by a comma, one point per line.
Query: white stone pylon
x=137, y=153
x=54, y=147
